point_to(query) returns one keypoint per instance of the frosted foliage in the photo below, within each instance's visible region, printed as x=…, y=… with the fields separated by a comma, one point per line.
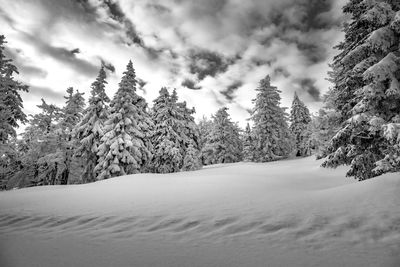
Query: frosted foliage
x=191, y=162
x=175, y=130
x=380, y=13
x=366, y=92
x=89, y=131
x=300, y=127
x=382, y=39
x=124, y=147
x=273, y=139
x=395, y=25
x=384, y=69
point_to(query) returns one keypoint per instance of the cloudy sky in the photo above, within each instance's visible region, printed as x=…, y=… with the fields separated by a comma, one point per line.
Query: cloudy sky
x=213, y=51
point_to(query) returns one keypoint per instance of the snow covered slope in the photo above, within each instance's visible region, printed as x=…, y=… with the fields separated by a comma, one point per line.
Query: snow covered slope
x=286, y=213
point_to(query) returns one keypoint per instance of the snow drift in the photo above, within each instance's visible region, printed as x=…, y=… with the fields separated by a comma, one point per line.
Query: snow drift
x=286, y=213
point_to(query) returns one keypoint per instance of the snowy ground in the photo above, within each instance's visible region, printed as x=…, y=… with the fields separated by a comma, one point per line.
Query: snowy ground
x=287, y=213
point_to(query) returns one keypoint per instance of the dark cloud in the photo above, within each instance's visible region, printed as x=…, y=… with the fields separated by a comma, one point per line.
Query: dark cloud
x=206, y=63
x=62, y=54
x=24, y=68
x=158, y=8
x=141, y=84
x=75, y=51
x=231, y=89
x=45, y=93
x=190, y=84
x=308, y=85
x=108, y=65
x=280, y=71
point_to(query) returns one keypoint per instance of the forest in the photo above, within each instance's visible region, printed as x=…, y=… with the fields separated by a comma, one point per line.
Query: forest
x=102, y=136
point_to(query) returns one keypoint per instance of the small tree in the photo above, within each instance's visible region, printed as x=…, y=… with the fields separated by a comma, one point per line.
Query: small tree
x=191, y=162
x=300, y=127
x=224, y=145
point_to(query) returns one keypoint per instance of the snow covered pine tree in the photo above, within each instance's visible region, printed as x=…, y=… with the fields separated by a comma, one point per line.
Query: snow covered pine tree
x=124, y=147
x=224, y=144
x=248, y=144
x=273, y=140
x=300, y=127
x=175, y=132
x=11, y=113
x=90, y=129
x=366, y=90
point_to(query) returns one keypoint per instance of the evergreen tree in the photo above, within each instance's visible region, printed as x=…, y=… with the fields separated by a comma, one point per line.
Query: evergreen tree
x=175, y=130
x=39, y=143
x=125, y=148
x=366, y=90
x=63, y=158
x=324, y=126
x=189, y=128
x=273, y=140
x=224, y=145
x=191, y=162
x=166, y=138
x=11, y=113
x=248, y=144
x=300, y=127
x=205, y=125
x=90, y=129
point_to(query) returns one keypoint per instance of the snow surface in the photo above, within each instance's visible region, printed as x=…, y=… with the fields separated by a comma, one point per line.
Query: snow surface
x=286, y=213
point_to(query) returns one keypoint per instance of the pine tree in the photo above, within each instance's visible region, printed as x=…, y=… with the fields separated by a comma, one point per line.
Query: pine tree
x=125, y=147
x=324, y=126
x=189, y=129
x=224, y=145
x=300, y=127
x=39, y=143
x=11, y=113
x=191, y=162
x=63, y=157
x=90, y=129
x=174, y=131
x=205, y=125
x=366, y=90
x=166, y=138
x=273, y=140
x=248, y=144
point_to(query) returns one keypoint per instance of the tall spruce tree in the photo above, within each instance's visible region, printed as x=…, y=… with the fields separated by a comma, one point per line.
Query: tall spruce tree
x=11, y=113
x=224, y=144
x=300, y=127
x=125, y=146
x=273, y=140
x=90, y=129
x=41, y=142
x=66, y=143
x=175, y=130
x=366, y=90
x=166, y=138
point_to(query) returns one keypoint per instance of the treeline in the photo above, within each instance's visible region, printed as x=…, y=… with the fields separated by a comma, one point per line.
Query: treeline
x=358, y=126
x=112, y=137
